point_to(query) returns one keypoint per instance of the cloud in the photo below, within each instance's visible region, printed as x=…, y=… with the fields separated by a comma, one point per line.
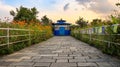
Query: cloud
x=101, y=6
x=66, y=7
x=4, y=10
x=56, y=9
x=83, y=2
x=98, y=6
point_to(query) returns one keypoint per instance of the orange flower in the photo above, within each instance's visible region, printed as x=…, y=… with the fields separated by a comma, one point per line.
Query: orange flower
x=22, y=23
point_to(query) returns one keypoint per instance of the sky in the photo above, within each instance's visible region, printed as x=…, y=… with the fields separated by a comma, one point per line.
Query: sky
x=69, y=10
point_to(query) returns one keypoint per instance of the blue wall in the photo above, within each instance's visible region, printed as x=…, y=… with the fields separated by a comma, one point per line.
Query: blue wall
x=56, y=33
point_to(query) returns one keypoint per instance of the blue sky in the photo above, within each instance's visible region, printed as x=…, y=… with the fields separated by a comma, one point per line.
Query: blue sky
x=69, y=10
x=31, y=3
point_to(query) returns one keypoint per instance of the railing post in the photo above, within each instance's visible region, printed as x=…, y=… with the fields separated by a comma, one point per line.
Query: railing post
x=108, y=44
x=44, y=35
x=90, y=37
x=29, y=37
x=8, y=37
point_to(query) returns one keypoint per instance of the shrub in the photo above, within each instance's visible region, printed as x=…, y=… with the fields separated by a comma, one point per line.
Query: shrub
x=109, y=48
x=38, y=33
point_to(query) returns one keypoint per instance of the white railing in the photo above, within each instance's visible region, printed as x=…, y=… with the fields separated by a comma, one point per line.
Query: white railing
x=98, y=30
x=90, y=38
x=15, y=29
x=90, y=32
x=109, y=42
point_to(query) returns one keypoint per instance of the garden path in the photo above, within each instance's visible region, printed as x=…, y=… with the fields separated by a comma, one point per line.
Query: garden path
x=59, y=51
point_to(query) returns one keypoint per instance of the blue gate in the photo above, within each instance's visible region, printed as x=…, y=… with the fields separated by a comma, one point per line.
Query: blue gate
x=62, y=31
x=61, y=28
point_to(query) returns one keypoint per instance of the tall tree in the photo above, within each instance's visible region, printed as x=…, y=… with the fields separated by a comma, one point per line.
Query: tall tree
x=96, y=22
x=25, y=14
x=45, y=20
x=118, y=4
x=81, y=22
x=115, y=18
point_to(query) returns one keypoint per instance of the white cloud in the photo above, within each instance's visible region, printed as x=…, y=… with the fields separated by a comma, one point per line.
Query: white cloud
x=88, y=9
x=71, y=14
x=101, y=6
x=98, y=6
x=4, y=10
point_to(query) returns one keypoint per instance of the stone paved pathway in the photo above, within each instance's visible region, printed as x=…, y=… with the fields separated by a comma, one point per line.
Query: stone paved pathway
x=63, y=51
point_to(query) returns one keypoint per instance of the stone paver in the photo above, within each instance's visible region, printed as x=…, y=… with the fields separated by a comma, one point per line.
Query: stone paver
x=59, y=51
x=44, y=60
x=63, y=65
x=87, y=65
x=104, y=64
x=77, y=60
x=42, y=64
x=62, y=60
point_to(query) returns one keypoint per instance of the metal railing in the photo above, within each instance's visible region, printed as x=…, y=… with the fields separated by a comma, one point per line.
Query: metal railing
x=90, y=35
x=107, y=41
x=8, y=35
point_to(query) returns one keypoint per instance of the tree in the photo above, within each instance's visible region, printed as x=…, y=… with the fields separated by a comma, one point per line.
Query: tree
x=12, y=13
x=96, y=22
x=81, y=22
x=45, y=20
x=118, y=4
x=25, y=14
x=115, y=19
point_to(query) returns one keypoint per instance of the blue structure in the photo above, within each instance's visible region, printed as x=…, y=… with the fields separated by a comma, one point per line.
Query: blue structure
x=61, y=28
